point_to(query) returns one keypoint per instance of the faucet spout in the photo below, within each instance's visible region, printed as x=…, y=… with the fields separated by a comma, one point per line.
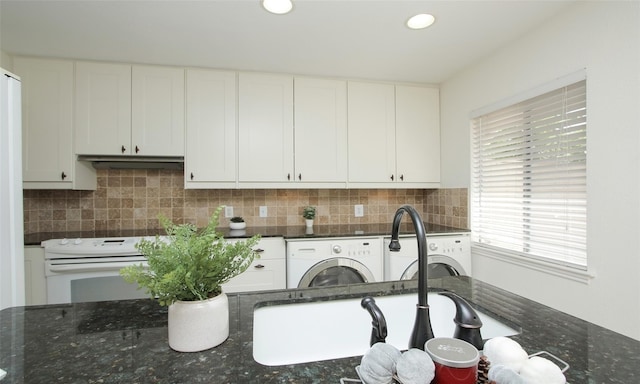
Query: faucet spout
x=422, y=330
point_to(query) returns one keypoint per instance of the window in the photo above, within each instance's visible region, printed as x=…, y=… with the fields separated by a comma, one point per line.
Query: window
x=528, y=187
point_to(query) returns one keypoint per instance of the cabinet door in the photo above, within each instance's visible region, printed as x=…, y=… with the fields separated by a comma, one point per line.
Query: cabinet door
x=211, y=128
x=103, y=109
x=265, y=128
x=157, y=117
x=320, y=130
x=417, y=134
x=372, y=145
x=47, y=118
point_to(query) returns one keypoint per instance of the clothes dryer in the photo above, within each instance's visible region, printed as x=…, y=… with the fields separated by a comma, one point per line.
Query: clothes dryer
x=334, y=261
x=447, y=255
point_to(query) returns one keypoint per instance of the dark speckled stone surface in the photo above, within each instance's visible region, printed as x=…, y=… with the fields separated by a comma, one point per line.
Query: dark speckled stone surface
x=288, y=232
x=126, y=341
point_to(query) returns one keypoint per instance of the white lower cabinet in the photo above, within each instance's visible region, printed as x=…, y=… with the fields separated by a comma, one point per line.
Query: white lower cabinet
x=34, y=278
x=266, y=273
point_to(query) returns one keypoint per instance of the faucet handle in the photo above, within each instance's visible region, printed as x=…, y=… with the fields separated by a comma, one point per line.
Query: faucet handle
x=378, y=323
x=467, y=321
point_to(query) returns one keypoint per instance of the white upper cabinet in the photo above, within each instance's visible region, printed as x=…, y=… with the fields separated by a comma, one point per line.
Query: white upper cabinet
x=48, y=160
x=157, y=114
x=394, y=136
x=210, y=157
x=320, y=121
x=417, y=134
x=265, y=128
x=103, y=109
x=372, y=146
x=125, y=110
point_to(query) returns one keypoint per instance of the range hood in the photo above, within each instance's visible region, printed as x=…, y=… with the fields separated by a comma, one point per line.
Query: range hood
x=134, y=162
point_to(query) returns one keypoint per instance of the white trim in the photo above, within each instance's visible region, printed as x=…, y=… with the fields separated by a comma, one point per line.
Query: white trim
x=561, y=270
x=552, y=85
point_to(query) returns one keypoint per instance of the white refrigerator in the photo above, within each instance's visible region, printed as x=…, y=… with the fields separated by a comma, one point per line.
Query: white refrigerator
x=12, y=288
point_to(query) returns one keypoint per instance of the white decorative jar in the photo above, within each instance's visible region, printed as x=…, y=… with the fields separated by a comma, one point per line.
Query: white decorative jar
x=198, y=325
x=233, y=225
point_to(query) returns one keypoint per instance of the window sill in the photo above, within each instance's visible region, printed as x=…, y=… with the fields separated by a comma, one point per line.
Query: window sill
x=569, y=272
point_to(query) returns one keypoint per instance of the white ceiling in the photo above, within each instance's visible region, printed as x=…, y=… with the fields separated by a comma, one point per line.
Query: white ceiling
x=352, y=39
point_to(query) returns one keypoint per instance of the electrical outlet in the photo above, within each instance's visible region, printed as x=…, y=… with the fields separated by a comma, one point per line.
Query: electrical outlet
x=263, y=211
x=359, y=210
x=228, y=211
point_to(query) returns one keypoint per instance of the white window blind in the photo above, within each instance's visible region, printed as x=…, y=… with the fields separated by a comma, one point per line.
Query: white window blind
x=528, y=189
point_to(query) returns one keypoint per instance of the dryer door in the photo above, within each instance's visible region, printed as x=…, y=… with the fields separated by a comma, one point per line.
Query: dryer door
x=437, y=266
x=336, y=271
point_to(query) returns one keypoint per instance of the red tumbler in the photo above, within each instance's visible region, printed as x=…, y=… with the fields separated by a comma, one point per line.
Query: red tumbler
x=456, y=360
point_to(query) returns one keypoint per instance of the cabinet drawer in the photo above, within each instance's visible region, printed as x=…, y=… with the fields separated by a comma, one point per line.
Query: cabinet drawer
x=261, y=275
x=271, y=248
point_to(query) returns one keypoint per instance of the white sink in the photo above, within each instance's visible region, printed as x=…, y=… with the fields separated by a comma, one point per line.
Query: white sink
x=324, y=330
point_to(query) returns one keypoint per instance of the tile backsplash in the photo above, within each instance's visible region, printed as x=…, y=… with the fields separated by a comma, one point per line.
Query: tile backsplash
x=132, y=199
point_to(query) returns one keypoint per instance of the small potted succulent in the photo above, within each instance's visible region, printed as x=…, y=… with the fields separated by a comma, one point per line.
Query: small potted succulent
x=309, y=213
x=185, y=271
x=237, y=222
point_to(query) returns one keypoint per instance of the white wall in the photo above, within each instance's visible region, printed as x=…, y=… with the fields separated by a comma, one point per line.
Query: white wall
x=5, y=61
x=604, y=38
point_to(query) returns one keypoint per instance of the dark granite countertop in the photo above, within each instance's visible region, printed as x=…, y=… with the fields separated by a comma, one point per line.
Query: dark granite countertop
x=126, y=341
x=289, y=232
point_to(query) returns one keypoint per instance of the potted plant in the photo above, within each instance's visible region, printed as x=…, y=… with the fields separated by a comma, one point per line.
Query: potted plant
x=309, y=213
x=237, y=222
x=186, y=270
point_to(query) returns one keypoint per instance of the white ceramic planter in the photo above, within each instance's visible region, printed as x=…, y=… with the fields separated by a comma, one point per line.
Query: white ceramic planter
x=233, y=225
x=309, y=222
x=198, y=325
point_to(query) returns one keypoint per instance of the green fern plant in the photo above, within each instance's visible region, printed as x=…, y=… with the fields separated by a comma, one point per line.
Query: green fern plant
x=189, y=265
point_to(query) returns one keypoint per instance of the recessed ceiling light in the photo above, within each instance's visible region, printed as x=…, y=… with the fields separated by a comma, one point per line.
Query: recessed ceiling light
x=420, y=21
x=279, y=7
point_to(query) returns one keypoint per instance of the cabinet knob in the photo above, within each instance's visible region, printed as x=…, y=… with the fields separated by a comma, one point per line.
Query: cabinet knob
x=137, y=149
x=288, y=176
x=191, y=175
x=63, y=175
x=402, y=177
x=299, y=176
x=123, y=149
x=391, y=177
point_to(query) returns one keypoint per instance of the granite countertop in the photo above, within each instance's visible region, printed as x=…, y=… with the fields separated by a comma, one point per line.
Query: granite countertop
x=126, y=341
x=288, y=232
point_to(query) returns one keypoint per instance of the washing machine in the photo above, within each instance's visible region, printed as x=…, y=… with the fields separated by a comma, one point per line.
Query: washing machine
x=447, y=255
x=334, y=261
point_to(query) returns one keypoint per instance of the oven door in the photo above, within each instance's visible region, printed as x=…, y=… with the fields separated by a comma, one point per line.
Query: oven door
x=90, y=279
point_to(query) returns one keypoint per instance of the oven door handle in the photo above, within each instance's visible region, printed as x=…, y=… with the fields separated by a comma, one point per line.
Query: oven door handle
x=93, y=267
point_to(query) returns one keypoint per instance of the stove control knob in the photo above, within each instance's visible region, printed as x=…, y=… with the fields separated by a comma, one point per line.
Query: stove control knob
x=433, y=246
x=77, y=241
x=337, y=249
x=64, y=242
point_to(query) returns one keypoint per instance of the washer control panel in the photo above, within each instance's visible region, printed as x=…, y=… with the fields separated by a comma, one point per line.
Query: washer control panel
x=448, y=245
x=356, y=248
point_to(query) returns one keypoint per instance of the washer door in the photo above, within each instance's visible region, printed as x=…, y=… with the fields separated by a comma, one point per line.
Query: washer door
x=336, y=271
x=437, y=266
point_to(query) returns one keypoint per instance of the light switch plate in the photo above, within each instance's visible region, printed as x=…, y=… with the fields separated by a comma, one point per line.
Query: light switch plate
x=359, y=210
x=228, y=211
x=263, y=211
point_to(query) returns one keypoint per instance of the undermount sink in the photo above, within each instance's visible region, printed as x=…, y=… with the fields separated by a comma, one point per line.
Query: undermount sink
x=324, y=330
